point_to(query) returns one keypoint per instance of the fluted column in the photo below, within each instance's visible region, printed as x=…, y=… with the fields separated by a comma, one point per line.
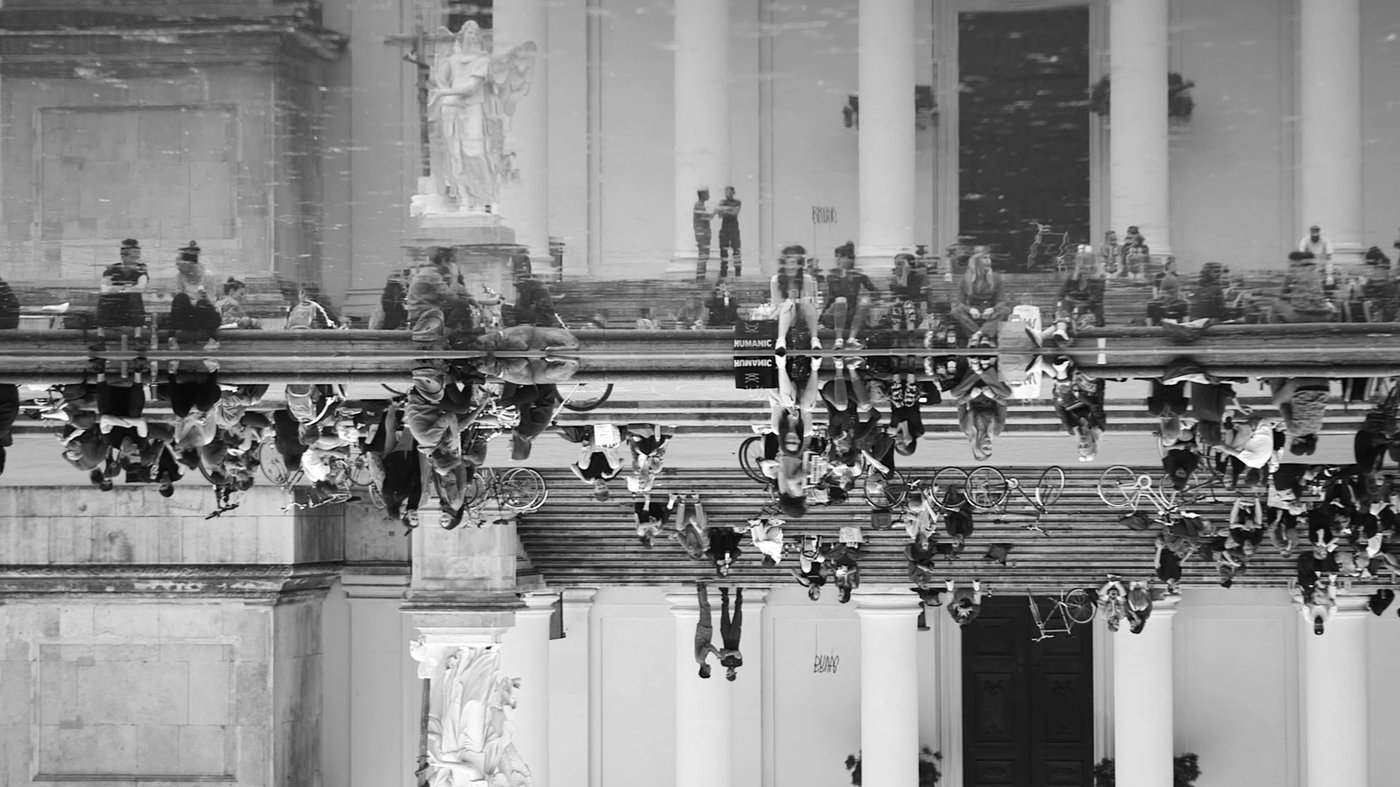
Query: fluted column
x=525, y=203
x=1335, y=696
x=1142, y=700
x=1139, y=173
x=704, y=708
x=1329, y=123
x=527, y=657
x=701, y=99
x=886, y=134
x=889, y=686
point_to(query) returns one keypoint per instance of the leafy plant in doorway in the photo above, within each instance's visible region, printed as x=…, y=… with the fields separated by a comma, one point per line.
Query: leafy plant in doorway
x=1186, y=770
x=1180, y=104
x=928, y=767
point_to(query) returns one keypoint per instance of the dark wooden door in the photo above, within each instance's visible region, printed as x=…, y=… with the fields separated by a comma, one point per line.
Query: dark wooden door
x=1023, y=127
x=1028, y=707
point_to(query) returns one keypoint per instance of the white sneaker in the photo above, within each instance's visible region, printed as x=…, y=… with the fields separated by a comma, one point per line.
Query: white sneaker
x=840, y=344
x=816, y=343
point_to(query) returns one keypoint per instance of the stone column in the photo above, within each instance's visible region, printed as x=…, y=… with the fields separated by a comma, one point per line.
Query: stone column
x=701, y=100
x=1142, y=700
x=889, y=678
x=572, y=693
x=1334, y=702
x=1329, y=124
x=886, y=134
x=1139, y=175
x=704, y=708
x=527, y=657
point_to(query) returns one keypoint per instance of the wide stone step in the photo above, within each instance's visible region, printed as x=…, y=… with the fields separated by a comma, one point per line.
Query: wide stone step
x=575, y=540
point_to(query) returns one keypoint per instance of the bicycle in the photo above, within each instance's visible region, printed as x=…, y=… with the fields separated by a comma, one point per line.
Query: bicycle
x=1043, y=242
x=520, y=490
x=1121, y=487
x=1073, y=607
x=988, y=489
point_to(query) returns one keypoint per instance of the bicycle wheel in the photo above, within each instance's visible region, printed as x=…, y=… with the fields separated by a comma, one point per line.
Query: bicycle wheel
x=274, y=467
x=523, y=489
x=750, y=453
x=986, y=488
x=885, y=491
x=1118, y=487
x=1078, y=607
x=588, y=396
x=478, y=488
x=1050, y=486
x=946, y=480
x=376, y=497
x=360, y=475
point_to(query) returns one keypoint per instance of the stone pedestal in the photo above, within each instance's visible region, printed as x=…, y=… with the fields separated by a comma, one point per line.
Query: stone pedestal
x=482, y=245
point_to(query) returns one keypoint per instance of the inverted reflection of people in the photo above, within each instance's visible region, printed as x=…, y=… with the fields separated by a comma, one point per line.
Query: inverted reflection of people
x=704, y=630
x=789, y=434
x=646, y=445
x=1302, y=402
x=120, y=302
x=767, y=537
x=724, y=549
x=692, y=526
x=981, y=396
x=536, y=405
x=548, y=368
x=597, y=463
x=731, y=630
x=979, y=305
x=966, y=603
x=650, y=516
x=795, y=292
x=474, y=96
x=1079, y=401
x=810, y=572
x=728, y=212
x=701, y=216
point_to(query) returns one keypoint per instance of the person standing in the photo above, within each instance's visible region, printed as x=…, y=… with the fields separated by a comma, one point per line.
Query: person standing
x=705, y=629
x=728, y=212
x=702, y=215
x=730, y=630
x=1316, y=244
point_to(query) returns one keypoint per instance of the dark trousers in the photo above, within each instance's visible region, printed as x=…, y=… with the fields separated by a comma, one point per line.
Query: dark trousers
x=729, y=241
x=1370, y=448
x=201, y=394
x=126, y=401
x=731, y=629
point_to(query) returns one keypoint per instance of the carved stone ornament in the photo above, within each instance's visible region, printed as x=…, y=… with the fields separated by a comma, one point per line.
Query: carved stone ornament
x=470, y=726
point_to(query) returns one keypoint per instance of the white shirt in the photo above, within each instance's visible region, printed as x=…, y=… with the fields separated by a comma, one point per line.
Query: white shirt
x=1322, y=249
x=769, y=540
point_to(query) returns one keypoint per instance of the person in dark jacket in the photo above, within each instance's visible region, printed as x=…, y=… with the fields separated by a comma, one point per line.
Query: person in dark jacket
x=724, y=548
x=722, y=306
x=9, y=306
x=9, y=410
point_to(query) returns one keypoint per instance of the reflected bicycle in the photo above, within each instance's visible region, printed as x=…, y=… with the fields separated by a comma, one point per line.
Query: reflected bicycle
x=1070, y=608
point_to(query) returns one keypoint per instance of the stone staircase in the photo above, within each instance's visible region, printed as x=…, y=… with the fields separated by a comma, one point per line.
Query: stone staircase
x=574, y=540
x=266, y=297
x=737, y=417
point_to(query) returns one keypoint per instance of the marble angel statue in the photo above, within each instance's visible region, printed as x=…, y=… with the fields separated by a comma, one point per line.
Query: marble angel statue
x=474, y=94
x=471, y=738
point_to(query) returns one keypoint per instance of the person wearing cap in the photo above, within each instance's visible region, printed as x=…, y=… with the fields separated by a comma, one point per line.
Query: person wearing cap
x=189, y=271
x=120, y=303
x=1316, y=244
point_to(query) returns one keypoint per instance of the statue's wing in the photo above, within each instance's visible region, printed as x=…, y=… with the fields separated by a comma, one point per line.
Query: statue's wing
x=465, y=720
x=441, y=74
x=510, y=75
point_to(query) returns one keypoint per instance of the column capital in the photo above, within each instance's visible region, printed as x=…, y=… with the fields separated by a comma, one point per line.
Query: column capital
x=1352, y=606
x=579, y=595
x=1165, y=607
x=885, y=601
x=539, y=601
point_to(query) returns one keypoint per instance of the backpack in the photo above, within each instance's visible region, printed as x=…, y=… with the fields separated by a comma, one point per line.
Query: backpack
x=303, y=316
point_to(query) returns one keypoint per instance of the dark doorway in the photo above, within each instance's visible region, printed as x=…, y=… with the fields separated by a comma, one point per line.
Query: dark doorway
x=1023, y=130
x=1028, y=707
